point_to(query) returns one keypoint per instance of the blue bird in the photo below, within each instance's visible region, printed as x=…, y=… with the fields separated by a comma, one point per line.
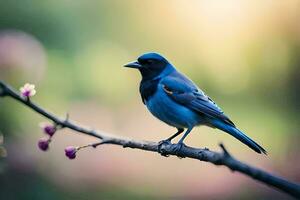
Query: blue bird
x=176, y=100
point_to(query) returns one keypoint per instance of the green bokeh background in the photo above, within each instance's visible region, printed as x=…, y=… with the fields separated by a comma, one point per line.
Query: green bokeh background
x=244, y=54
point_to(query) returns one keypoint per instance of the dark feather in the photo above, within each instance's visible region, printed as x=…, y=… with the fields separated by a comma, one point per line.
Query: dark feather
x=148, y=88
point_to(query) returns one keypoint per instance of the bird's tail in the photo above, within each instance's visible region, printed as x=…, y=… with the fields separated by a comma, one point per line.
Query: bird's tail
x=240, y=136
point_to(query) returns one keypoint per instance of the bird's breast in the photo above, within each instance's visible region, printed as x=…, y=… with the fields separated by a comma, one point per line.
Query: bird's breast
x=170, y=112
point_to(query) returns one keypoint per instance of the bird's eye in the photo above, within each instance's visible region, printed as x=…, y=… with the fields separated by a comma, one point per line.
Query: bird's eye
x=149, y=61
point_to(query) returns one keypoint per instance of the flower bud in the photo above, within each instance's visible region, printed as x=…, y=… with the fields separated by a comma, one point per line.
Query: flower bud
x=70, y=152
x=43, y=144
x=49, y=129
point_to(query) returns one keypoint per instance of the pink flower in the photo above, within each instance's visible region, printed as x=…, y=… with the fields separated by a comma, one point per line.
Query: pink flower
x=28, y=90
x=70, y=152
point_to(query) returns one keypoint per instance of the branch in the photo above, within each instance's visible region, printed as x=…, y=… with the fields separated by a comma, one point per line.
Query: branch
x=217, y=158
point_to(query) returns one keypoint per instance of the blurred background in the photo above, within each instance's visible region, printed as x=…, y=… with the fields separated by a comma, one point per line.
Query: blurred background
x=244, y=54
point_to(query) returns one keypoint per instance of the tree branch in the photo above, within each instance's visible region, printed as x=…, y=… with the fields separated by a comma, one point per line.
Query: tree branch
x=217, y=158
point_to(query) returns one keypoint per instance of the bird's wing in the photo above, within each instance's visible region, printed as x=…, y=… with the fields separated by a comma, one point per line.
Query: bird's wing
x=185, y=92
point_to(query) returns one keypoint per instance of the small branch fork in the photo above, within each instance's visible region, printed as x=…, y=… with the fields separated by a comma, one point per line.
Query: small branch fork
x=216, y=158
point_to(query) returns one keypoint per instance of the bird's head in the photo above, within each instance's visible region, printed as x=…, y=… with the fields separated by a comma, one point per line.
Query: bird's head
x=150, y=65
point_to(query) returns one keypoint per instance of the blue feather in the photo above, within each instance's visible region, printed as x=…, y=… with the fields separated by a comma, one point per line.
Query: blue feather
x=235, y=132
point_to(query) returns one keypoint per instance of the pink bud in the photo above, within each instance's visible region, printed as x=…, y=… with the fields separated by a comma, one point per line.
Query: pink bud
x=43, y=144
x=70, y=152
x=49, y=129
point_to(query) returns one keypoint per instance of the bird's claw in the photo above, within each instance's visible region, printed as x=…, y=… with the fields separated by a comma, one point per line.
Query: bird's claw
x=177, y=148
x=162, y=150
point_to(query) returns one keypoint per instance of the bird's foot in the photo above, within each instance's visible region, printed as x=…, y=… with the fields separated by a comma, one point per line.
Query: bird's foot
x=162, y=150
x=177, y=149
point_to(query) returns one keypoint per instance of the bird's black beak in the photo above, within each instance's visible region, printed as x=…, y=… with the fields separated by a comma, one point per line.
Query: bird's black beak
x=134, y=64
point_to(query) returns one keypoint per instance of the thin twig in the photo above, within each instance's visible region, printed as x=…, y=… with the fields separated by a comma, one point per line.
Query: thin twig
x=223, y=158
